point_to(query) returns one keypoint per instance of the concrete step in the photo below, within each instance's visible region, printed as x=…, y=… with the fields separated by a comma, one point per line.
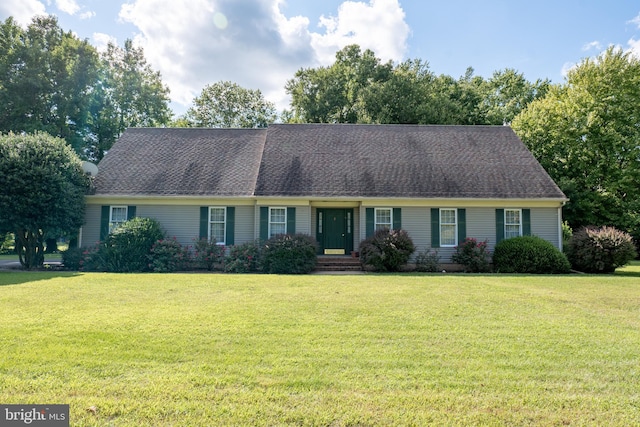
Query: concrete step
x=338, y=263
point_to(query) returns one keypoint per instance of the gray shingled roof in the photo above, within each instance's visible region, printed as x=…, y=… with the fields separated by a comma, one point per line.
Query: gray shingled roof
x=168, y=162
x=323, y=160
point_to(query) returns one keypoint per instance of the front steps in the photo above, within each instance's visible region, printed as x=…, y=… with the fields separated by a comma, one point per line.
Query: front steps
x=338, y=263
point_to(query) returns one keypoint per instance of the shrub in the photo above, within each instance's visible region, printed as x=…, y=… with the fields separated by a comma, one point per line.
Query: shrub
x=168, y=255
x=472, y=255
x=244, y=258
x=428, y=262
x=386, y=250
x=207, y=254
x=73, y=258
x=600, y=250
x=529, y=254
x=289, y=254
x=127, y=248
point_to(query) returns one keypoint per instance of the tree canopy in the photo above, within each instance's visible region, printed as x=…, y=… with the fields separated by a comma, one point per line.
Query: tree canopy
x=586, y=134
x=42, y=188
x=227, y=105
x=53, y=82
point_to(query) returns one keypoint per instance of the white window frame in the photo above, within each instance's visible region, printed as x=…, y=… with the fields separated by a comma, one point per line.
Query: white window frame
x=224, y=222
x=507, y=235
x=271, y=209
x=113, y=224
x=448, y=224
x=376, y=224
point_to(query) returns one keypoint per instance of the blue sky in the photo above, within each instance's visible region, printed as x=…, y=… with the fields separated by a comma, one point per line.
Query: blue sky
x=260, y=44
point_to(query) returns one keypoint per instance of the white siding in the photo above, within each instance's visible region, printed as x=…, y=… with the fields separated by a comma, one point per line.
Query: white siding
x=91, y=227
x=544, y=223
x=303, y=220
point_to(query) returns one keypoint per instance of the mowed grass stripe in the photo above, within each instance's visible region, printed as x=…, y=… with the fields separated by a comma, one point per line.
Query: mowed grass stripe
x=214, y=349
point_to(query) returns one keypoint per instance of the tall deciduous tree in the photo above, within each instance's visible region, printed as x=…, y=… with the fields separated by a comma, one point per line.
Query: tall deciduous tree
x=129, y=94
x=42, y=188
x=46, y=78
x=227, y=105
x=586, y=133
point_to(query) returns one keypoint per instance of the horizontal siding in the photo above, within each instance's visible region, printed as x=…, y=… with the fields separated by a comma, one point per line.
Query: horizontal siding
x=544, y=224
x=181, y=222
x=91, y=227
x=303, y=220
x=244, y=228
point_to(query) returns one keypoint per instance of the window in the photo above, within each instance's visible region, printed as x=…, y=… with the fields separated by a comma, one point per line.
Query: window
x=448, y=227
x=277, y=221
x=512, y=223
x=383, y=218
x=217, y=224
x=117, y=215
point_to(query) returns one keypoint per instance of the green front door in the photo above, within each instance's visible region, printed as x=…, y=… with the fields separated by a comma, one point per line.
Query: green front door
x=334, y=231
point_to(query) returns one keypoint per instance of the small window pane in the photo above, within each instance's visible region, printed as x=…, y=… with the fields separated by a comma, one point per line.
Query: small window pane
x=383, y=219
x=217, y=232
x=217, y=215
x=277, y=221
x=217, y=218
x=447, y=227
x=512, y=224
x=118, y=214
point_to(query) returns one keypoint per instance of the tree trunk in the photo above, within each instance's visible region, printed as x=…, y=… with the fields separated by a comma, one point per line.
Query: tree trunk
x=30, y=248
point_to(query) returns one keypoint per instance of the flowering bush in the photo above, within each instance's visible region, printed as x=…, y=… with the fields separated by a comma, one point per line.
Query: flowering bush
x=600, y=250
x=207, y=254
x=244, y=258
x=73, y=258
x=472, y=255
x=386, y=250
x=168, y=255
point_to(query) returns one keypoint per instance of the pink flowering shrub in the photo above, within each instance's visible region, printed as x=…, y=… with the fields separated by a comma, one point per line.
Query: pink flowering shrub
x=208, y=254
x=473, y=256
x=244, y=258
x=168, y=255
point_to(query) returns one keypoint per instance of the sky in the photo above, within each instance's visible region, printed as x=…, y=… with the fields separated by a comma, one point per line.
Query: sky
x=260, y=44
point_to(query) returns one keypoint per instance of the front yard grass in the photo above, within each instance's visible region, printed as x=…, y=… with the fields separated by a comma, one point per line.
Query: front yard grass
x=217, y=349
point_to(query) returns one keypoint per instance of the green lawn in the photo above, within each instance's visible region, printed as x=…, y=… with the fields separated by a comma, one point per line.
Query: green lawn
x=215, y=349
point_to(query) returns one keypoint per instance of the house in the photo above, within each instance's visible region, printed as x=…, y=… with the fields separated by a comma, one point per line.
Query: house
x=335, y=182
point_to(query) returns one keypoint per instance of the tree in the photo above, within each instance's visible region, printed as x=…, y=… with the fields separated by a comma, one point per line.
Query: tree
x=585, y=133
x=129, y=94
x=42, y=188
x=227, y=105
x=46, y=78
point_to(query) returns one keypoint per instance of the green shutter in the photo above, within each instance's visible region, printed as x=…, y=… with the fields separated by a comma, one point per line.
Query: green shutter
x=231, y=225
x=462, y=225
x=499, y=225
x=435, y=227
x=204, y=222
x=526, y=222
x=369, y=229
x=397, y=218
x=131, y=212
x=291, y=220
x=104, y=222
x=264, y=223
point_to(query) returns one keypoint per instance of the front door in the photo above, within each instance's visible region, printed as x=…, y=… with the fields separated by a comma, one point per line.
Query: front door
x=334, y=231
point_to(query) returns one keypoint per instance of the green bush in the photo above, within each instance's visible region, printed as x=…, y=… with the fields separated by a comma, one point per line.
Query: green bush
x=289, y=254
x=428, y=262
x=126, y=249
x=207, y=254
x=600, y=250
x=529, y=254
x=473, y=256
x=73, y=258
x=386, y=250
x=168, y=255
x=244, y=258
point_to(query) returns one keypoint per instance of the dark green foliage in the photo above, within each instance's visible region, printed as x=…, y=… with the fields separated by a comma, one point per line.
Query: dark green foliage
x=428, y=262
x=386, y=250
x=168, y=255
x=600, y=250
x=529, y=254
x=289, y=254
x=244, y=258
x=473, y=256
x=73, y=258
x=126, y=249
x=207, y=254
x=42, y=189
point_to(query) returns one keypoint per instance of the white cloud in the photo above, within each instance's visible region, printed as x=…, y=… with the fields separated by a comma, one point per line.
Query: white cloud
x=378, y=25
x=635, y=21
x=258, y=47
x=70, y=7
x=593, y=45
x=566, y=67
x=634, y=47
x=21, y=10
